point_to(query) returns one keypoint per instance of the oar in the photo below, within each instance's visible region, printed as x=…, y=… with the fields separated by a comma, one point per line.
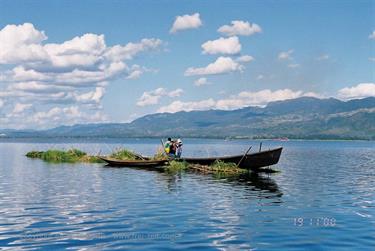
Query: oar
x=239, y=163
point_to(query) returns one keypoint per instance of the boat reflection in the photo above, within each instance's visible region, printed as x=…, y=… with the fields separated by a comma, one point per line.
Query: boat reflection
x=253, y=181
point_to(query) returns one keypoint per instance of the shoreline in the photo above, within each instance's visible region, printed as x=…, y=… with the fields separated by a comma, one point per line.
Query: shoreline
x=103, y=139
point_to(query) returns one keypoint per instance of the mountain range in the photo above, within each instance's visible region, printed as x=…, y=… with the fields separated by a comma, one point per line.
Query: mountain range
x=301, y=118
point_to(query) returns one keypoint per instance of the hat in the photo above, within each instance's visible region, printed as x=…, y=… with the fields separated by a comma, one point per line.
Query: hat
x=179, y=141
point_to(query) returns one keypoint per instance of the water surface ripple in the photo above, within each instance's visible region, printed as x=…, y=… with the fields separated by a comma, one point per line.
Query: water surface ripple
x=323, y=199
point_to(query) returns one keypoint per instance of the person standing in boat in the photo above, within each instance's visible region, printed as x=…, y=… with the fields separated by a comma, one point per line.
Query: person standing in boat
x=172, y=149
x=179, y=148
x=167, y=146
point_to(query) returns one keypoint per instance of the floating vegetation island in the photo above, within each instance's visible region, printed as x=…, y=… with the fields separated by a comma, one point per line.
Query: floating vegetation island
x=78, y=156
x=60, y=156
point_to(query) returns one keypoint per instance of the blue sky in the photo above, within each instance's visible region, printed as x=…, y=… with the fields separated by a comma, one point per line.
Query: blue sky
x=279, y=50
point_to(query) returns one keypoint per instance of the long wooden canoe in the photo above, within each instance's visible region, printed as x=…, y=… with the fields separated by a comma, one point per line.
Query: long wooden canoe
x=134, y=163
x=251, y=161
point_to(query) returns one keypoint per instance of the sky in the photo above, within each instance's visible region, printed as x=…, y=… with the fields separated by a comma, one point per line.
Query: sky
x=72, y=62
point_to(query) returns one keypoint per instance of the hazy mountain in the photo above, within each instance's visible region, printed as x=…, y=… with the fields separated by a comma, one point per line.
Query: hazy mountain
x=304, y=117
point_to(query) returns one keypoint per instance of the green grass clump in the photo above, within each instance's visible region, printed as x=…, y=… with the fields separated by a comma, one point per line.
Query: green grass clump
x=175, y=166
x=59, y=156
x=34, y=154
x=160, y=154
x=124, y=154
x=220, y=166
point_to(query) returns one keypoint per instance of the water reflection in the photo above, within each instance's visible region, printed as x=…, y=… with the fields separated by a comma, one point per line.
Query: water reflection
x=81, y=205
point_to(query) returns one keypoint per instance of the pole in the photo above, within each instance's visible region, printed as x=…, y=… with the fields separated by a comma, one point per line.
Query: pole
x=238, y=164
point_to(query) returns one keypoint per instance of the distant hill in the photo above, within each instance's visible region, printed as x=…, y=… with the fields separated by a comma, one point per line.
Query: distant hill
x=302, y=118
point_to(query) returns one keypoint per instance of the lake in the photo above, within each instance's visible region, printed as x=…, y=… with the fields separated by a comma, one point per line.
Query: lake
x=323, y=198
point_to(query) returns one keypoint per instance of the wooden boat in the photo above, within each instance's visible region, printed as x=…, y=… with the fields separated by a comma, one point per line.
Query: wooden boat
x=134, y=163
x=250, y=161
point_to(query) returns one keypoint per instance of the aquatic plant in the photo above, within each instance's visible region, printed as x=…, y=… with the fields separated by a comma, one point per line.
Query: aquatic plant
x=160, y=154
x=175, y=166
x=60, y=156
x=219, y=167
x=124, y=154
x=227, y=167
x=34, y=154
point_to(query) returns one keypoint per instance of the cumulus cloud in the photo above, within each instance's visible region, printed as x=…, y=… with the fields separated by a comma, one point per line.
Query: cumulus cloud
x=229, y=45
x=245, y=59
x=242, y=99
x=21, y=43
x=19, y=108
x=153, y=97
x=186, y=22
x=177, y=106
x=361, y=90
x=286, y=55
x=220, y=66
x=65, y=115
x=200, y=82
x=130, y=50
x=92, y=96
x=74, y=72
x=372, y=35
x=240, y=28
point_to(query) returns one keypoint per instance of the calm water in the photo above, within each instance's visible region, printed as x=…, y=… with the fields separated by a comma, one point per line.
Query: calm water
x=323, y=199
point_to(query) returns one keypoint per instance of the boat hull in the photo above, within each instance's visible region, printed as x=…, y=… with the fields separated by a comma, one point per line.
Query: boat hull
x=134, y=163
x=251, y=161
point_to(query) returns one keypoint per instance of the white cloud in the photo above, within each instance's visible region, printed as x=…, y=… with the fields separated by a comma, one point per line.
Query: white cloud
x=75, y=71
x=1, y=103
x=294, y=65
x=220, y=66
x=175, y=93
x=372, y=35
x=242, y=99
x=177, y=106
x=284, y=55
x=361, y=90
x=241, y=28
x=21, y=43
x=200, y=82
x=130, y=50
x=92, y=96
x=19, y=108
x=153, y=97
x=186, y=22
x=135, y=74
x=263, y=97
x=260, y=77
x=229, y=45
x=67, y=115
x=372, y=59
x=245, y=59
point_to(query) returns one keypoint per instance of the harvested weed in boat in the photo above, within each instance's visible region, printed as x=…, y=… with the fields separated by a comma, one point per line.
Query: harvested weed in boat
x=59, y=156
x=220, y=166
x=159, y=155
x=124, y=154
